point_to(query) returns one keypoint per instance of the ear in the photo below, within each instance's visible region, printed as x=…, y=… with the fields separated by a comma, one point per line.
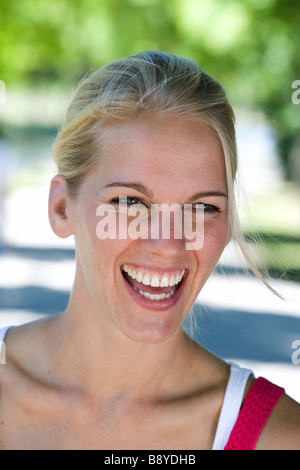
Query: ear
x=59, y=208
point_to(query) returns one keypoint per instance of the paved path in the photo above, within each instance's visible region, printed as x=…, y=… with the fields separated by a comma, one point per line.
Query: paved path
x=237, y=317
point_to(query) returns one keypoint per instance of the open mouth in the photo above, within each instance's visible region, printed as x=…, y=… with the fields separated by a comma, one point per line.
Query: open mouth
x=154, y=287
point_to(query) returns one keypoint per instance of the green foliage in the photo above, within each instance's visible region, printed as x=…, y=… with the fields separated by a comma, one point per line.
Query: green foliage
x=251, y=46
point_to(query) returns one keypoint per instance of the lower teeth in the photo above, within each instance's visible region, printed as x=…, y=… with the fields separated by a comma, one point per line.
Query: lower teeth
x=156, y=296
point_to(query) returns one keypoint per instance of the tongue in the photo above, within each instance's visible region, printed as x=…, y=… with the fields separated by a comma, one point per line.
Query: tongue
x=150, y=289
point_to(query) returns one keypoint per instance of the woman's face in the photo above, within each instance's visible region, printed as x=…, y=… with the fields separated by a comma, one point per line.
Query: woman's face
x=143, y=287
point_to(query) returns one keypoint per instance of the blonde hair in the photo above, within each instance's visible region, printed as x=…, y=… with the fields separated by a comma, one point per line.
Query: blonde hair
x=155, y=82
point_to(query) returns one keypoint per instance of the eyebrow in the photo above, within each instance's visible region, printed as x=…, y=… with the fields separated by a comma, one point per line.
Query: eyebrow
x=208, y=194
x=137, y=186
x=143, y=189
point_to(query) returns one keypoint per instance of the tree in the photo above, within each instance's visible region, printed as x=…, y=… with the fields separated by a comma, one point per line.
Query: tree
x=249, y=45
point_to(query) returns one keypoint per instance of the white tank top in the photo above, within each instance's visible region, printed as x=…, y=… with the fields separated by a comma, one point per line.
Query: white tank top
x=2, y=344
x=231, y=404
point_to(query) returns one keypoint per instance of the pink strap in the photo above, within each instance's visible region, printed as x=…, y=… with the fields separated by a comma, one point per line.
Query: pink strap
x=259, y=403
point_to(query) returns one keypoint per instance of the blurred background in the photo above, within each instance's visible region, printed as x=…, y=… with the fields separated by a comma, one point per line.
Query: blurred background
x=252, y=48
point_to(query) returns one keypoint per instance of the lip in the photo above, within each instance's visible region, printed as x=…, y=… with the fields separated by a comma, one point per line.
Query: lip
x=157, y=305
x=155, y=270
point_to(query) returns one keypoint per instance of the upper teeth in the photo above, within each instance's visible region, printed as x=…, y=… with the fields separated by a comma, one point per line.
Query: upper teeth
x=154, y=280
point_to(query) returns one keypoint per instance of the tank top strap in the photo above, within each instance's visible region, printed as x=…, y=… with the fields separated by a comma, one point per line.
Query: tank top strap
x=3, y=332
x=232, y=403
x=259, y=403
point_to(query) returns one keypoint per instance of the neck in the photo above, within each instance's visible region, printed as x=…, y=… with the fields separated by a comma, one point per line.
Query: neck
x=107, y=362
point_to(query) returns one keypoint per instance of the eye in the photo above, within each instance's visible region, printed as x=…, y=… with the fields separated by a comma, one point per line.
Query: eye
x=210, y=209
x=200, y=208
x=134, y=200
x=126, y=201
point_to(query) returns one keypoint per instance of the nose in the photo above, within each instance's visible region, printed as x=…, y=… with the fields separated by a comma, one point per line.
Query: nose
x=164, y=247
x=165, y=236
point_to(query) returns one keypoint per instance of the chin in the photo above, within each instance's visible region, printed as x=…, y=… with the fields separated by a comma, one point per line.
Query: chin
x=156, y=333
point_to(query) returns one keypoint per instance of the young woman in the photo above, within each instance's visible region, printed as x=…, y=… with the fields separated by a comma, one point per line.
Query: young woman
x=115, y=369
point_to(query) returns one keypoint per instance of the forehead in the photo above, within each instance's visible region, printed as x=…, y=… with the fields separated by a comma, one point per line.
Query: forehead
x=162, y=149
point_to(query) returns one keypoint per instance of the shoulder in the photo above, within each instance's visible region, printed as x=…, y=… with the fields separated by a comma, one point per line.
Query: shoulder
x=282, y=430
x=26, y=361
x=23, y=347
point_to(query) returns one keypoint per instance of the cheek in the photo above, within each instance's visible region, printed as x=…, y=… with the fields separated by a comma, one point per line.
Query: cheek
x=98, y=252
x=216, y=237
x=108, y=256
